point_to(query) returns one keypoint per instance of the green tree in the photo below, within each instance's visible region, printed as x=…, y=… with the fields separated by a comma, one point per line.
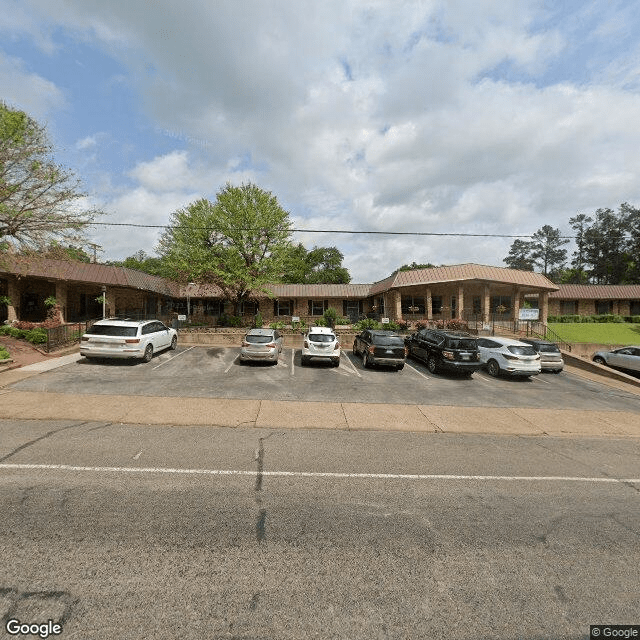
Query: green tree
x=605, y=246
x=631, y=217
x=415, y=265
x=519, y=256
x=321, y=265
x=547, y=251
x=141, y=261
x=39, y=200
x=240, y=242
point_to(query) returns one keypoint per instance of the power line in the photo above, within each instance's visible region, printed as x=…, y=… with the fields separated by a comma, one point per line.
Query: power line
x=345, y=231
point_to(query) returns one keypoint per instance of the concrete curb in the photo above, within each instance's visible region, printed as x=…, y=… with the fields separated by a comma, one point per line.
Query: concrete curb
x=342, y=416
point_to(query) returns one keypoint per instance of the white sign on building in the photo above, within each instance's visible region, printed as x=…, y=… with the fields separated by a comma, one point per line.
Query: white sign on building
x=529, y=314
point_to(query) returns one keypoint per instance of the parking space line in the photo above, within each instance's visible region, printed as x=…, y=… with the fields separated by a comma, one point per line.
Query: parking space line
x=418, y=372
x=231, y=363
x=353, y=366
x=539, y=379
x=173, y=358
x=293, y=353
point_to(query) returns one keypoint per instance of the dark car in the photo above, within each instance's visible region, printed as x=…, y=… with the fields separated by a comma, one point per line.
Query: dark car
x=380, y=347
x=550, y=355
x=445, y=350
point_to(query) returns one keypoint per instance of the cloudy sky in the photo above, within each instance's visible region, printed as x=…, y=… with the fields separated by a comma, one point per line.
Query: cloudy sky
x=441, y=116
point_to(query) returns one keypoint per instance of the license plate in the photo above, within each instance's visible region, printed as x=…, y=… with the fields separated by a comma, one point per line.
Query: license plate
x=466, y=356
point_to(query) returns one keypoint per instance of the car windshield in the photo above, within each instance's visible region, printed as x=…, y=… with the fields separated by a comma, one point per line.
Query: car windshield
x=321, y=337
x=255, y=339
x=463, y=343
x=548, y=348
x=521, y=351
x=388, y=341
x=112, y=330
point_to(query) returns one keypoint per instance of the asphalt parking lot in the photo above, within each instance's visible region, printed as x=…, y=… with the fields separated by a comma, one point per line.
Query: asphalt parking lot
x=216, y=372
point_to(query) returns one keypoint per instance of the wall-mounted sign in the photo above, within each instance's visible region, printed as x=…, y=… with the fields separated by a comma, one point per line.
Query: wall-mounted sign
x=295, y=319
x=182, y=317
x=385, y=320
x=529, y=314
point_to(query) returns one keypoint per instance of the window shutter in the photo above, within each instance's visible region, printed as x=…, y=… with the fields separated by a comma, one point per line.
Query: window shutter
x=325, y=305
x=310, y=303
x=344, y=307
x=275, y=307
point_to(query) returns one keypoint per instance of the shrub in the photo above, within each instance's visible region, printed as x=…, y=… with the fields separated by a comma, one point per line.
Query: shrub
x=391, y=326
x=320, y=322
x=36, y=336
x=420, y=325
x=23, y=324
x=299, y=325
x=14, y=332
x=226, y=320
x=258, y=321
x=457, y=325
x=404, y=325
x=366, y=323
x=277, y=325
x=4, y=354
x=343, y=321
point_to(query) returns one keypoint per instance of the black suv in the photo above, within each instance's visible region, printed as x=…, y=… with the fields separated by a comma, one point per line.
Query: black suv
x=445, y=350
x=380, y=347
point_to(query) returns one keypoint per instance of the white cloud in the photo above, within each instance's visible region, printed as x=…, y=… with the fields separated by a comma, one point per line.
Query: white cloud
x=431, y=116
x=26, y=90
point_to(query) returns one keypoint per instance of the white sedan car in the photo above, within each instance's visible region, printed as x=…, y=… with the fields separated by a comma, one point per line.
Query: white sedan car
x=508, y=356
x=118, y=338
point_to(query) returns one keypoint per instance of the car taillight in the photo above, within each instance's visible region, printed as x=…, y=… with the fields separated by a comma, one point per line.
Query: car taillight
x=406, y=352
x=306, y=344
x=449, y=355
x=245, y=343
x=132, y=340
x=337, y=346
x=85, y=338
x=371, y=349
x=272, y=345
x=510, y=357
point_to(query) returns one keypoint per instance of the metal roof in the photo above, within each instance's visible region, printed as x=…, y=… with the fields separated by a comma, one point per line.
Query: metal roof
x=597, y=292
x=456, y=273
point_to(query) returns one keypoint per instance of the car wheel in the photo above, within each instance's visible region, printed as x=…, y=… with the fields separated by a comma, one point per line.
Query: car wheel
x=432, y=364
x=493, y=368
x=148, y=353
x=400, y=367
x=304, y=360
x=366, y=363
x=557, y=370
x=336, y=362
x=355, y=350
x=599, y=360
x=174, y=343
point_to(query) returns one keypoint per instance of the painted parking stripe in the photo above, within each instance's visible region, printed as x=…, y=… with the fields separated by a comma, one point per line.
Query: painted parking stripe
x=232, y=363
x=316, y=474
x=418, y=372
x=172, y=358
x=293, y=353
x=353, y=366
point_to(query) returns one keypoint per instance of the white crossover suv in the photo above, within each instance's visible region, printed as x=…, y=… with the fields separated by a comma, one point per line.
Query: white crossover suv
x=321, y=343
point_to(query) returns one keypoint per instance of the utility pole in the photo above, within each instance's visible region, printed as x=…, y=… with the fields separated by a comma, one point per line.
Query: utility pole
x=95, y=247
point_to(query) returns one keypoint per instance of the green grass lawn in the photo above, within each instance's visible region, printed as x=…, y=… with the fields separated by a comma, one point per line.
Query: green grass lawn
x=597, y=333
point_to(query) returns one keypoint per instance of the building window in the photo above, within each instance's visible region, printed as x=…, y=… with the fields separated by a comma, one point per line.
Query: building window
x=352, y=309
x=283, y=307
x=213, y=307
x=568, y=307
x=317, y=307
x=436, y=304
x=604, y=307
x=500, y=301
x=634, y=307
x=410, y=304
x=249, y=308
x=477, y=305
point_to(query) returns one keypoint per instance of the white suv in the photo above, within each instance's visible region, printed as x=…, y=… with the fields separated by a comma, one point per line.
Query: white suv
x=321, y=343
x=118, y=338
x=508, y=356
